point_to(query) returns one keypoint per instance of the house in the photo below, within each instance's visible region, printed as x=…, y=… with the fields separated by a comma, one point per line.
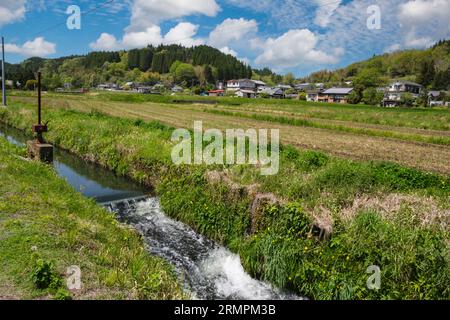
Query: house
x=273, y=93
x=313, y=95
x=243, y=93
x=435, y=99
x=144, y=89
x=108, y=86
x=319, y=85
x=177, y=89
x=242, y=84
x=302, y=86
x=216, y=93
x=395, y=91
x=259, y=84
x=336, y=95
x=284, y=87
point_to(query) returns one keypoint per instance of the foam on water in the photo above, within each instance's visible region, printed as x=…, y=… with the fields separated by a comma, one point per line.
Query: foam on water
x=208, y=270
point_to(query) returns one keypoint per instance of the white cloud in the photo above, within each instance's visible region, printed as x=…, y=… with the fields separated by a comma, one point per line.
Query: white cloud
x=36, y=48
x=146, y=13
x=182, y=33
x=11, y=11
x=231, y=30
x=294, y=48
x=423, y=11
x=325, y=11
x=229, y=51
x=393, y=47
x=106, y=42
x=424, y=21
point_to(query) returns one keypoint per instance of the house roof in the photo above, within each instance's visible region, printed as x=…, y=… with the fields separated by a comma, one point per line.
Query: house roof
x=246, y=91
x=407, y=82
x=272, y=91
x=434, y=93
x=338, y=91
x=261, y=83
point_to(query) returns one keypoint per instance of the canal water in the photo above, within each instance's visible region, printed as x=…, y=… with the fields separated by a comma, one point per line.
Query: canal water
x=207, y=270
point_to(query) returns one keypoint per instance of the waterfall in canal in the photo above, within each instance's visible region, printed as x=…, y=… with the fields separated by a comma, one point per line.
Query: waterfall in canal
x=208, y=270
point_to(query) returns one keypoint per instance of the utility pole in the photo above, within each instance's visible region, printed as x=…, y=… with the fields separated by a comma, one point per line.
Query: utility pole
x=3, y=73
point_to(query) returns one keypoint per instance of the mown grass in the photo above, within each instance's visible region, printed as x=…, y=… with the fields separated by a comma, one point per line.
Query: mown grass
x=45, y=227
x=410, y=247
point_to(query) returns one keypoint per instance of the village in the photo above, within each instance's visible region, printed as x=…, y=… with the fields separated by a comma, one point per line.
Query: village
x=397, y=93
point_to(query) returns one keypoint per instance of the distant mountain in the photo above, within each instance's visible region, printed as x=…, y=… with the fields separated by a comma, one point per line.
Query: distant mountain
x=430, y=67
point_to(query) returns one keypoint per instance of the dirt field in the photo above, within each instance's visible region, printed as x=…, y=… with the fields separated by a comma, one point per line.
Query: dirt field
x=410, y=150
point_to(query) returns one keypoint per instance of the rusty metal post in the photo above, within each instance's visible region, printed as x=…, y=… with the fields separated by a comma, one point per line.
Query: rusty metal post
x=3, y=73
x=38, y=148
x=39, y=99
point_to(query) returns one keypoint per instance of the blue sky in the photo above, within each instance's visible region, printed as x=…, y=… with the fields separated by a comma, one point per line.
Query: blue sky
x=298, y=36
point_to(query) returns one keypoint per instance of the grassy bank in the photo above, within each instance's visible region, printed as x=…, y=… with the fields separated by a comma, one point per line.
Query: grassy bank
x=45, y=227
x=378, y=213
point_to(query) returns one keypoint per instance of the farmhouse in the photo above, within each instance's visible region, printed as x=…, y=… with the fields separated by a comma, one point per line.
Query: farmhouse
x=259, y=84
x=302, y=86
x=313, y=95
x=177, y=89
x=242, y=84
x=216, y=93
x=284, y=87
x=242, y=93
x=336, y=95
x=435, y=99
x=274, y=93
x=394, y=93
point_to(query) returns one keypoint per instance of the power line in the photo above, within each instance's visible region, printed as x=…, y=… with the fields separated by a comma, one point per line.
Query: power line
x=63, y=23
x=230, y=29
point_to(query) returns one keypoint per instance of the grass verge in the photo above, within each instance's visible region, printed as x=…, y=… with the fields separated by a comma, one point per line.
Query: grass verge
x=45, y=227
x=380, y=213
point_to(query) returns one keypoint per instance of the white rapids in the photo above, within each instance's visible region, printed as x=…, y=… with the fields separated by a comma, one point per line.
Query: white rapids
x=209, y=271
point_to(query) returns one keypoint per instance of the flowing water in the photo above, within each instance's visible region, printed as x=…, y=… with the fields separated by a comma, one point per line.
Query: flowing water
x=208, y=271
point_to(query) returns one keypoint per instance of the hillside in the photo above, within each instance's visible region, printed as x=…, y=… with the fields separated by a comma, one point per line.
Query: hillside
x=430, y=67
x=199, y=65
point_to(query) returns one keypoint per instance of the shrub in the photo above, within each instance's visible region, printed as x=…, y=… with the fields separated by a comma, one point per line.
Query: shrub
x=44, y=275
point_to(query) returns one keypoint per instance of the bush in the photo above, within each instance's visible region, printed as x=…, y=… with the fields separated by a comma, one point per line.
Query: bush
x=44, y=275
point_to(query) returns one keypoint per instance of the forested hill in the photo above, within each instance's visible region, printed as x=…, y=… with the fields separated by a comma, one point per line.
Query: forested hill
x=151, y=64
x=430, y=67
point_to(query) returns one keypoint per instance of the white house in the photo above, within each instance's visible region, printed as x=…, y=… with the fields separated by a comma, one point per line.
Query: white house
x=243, y=93
x=397, y=89
x=243, y=84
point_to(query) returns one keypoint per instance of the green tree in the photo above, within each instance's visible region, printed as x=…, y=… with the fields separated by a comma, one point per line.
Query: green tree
x=372, y=96
x=426, y=73
x=407, y=100
x=367, y=78
x=289, y=78
x=31, y=84
x=185, y=72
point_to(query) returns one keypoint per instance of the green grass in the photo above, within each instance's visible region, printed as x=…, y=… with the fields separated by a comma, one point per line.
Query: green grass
x=45, y=227
x=313, y=124
x=409, y=245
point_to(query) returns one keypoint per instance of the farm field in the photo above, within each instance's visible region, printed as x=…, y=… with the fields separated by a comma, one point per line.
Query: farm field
x=416, y=138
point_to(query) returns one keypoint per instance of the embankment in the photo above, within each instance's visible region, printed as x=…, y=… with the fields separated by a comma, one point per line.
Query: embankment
x=46, y=227
x=314, y=228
